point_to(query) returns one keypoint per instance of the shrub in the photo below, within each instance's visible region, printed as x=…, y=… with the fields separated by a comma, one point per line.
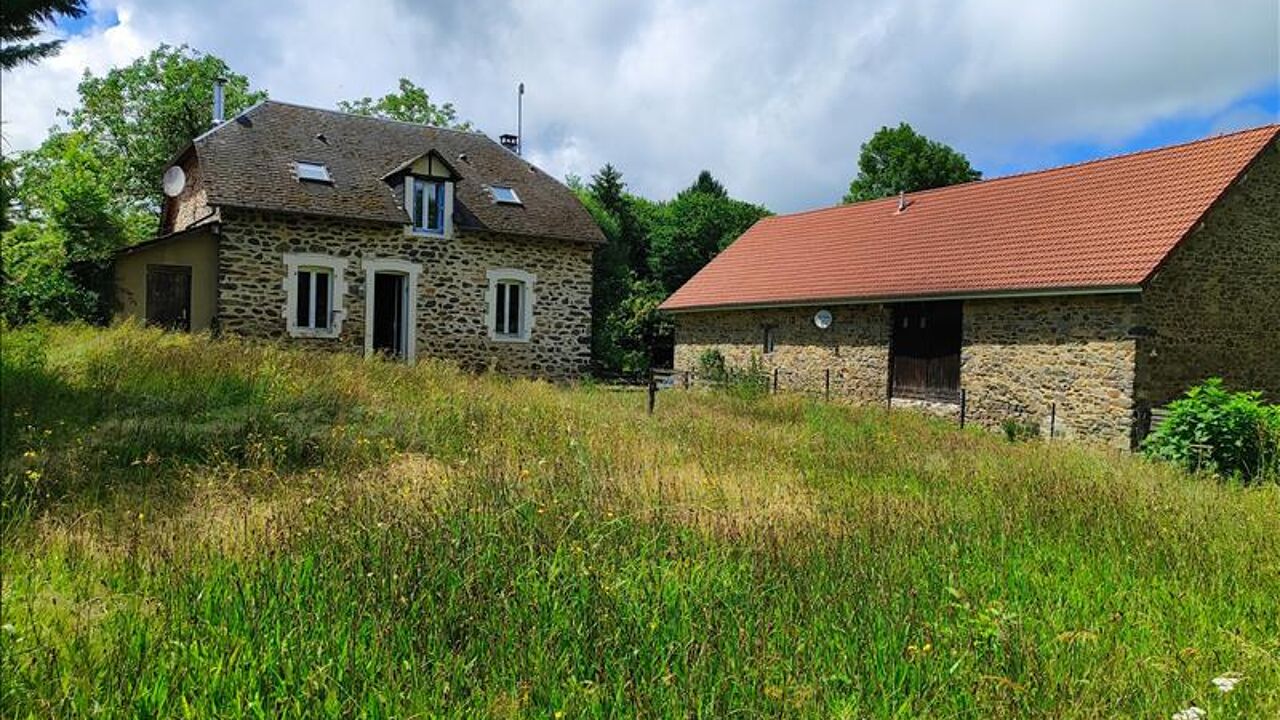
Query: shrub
x=1019, y=430
x=1233, y=434
x=711, y=366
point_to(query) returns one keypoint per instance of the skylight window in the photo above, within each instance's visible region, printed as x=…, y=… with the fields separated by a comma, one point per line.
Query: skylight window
x=504, y=194
x=313, y=172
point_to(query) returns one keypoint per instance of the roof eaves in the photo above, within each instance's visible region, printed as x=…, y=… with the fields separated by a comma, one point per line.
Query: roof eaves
x=914, y=297
x=214, y=225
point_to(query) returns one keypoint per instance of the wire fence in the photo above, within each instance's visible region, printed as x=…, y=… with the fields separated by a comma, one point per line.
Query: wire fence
x=1019, y=420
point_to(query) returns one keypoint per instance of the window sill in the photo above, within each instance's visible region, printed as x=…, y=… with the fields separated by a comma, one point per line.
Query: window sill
x=493, y=337
x=419, y=232
x=315, y=334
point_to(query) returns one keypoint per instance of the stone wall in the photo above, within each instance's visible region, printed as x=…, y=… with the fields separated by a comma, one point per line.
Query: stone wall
x=451, y=304
x=855, y=348
x=1018, y=358
x=192, y=204
x=1214, y=307
x=1021, y=357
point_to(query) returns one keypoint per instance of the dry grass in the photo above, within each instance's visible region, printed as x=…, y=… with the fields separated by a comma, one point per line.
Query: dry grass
x=206, y=528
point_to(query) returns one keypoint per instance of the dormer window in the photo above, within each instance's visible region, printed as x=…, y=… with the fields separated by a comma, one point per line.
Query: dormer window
x=505, y=195
x=427, y=205
x=313, y=172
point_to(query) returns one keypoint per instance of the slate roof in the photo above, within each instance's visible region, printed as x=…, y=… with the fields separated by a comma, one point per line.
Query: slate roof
x=249, y=160
x=1106, y=224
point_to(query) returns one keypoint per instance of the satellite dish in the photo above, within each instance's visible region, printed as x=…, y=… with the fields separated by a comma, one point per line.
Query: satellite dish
x=174, y=180
x=822, y=319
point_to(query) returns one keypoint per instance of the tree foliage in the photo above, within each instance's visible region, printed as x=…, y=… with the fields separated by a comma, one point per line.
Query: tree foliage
x=94, y=187
x=20, y=22
x=652, y=248
x=899, y=159
x=410, y=103
x=147, y=111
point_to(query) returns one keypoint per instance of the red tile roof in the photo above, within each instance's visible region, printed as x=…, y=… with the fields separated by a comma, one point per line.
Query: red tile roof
x=1098, y=225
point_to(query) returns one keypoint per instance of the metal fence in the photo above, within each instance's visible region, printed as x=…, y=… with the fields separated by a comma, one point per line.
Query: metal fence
x=1020, y=420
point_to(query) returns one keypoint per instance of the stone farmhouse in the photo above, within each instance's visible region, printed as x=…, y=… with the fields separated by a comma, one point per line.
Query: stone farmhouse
x=338, y=231
x=1084, y=295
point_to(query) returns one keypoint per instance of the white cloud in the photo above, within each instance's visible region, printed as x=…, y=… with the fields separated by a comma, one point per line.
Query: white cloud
x=774, y=98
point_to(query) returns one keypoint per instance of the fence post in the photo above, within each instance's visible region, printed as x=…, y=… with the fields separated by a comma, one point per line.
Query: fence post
x=653, y=392
x=775, y=380
x=827, y=389
x=686, y=380
x=964, y=406
x=1053, y=419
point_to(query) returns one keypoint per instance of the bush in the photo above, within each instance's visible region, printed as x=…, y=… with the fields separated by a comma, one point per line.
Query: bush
x=747, y=383
x=1019, y=430
x=1233, y=434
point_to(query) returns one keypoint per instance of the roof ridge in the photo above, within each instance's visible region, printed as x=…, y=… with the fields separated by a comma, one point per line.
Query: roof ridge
x=1274, y=127
x=375, y=118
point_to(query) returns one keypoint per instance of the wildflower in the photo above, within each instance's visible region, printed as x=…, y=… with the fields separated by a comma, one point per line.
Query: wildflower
x=1227, y=683
x=30, y=454
x=1191, y=713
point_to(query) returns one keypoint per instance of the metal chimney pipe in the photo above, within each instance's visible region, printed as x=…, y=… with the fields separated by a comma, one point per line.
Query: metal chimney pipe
x=218, y=106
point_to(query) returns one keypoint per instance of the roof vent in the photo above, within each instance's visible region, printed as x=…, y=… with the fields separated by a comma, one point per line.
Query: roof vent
x=322, y=138
x=509, y=141
x=903, y=203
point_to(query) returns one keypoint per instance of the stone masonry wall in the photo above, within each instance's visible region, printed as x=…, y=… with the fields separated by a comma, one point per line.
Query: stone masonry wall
x=192, y=204
x=1214, y=307
x=1021, y=356
x=1017, y=359
x=451, y=305
x=855, y=348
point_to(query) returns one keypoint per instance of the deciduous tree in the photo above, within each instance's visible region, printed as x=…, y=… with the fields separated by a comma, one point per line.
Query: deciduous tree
x=899, y=159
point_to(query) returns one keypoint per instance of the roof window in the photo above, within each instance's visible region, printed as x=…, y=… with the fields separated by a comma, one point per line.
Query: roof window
x=505, y=195
x=313, y=172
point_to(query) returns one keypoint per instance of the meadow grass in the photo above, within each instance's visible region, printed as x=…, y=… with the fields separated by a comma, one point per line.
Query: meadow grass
x=200, y=528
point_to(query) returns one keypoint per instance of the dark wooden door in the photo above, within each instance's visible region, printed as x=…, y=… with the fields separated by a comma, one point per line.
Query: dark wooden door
x=169, y=296
x=925, y=350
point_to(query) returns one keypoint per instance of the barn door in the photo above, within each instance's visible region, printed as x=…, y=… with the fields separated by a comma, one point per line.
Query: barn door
x=169, y=296
x=925, y=351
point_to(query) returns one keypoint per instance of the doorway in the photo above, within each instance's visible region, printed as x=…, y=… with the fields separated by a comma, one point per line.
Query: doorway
x=924, y=351
x=390, y=314
x=169, y=296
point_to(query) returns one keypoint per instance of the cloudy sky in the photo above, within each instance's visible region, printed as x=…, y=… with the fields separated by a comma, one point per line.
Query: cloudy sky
x=773, y=97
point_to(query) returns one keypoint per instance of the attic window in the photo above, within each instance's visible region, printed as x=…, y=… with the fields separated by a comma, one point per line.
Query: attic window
x=313, y=172
x=505, y=195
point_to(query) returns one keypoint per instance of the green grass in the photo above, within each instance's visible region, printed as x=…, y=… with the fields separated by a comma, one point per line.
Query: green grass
x=198, y=528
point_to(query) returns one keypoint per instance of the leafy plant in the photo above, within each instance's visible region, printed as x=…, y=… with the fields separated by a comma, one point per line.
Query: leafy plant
x=1016, y=430
x=1233, y=434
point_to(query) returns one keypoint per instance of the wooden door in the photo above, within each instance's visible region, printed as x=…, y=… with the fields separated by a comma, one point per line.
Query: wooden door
x=169, y=296
x=925, y=351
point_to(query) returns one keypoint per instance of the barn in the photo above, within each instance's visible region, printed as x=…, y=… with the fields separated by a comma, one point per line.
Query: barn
x=1078, y=298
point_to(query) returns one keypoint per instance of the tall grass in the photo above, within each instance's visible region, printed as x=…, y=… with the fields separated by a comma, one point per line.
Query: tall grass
x=210, y=528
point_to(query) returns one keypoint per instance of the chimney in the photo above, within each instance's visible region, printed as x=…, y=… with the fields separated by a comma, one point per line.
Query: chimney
x=902, y=201
x=510, y=142
x=217, y=100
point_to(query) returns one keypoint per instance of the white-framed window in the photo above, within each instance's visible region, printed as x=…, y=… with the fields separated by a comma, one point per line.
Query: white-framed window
x=312, y=172
x=510, y=305
x=315, y=290
x=428, y=201
x=505, y=195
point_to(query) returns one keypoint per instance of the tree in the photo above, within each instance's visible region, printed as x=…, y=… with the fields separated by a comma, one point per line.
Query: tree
x=73, y=220
x=708, y=184
x=410, y=104
x=899, y=159
x=20, y=21
x=693, y=228
x=146, y=112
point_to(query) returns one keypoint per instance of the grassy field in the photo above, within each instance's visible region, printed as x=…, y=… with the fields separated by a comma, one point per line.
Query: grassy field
x=197, y=529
